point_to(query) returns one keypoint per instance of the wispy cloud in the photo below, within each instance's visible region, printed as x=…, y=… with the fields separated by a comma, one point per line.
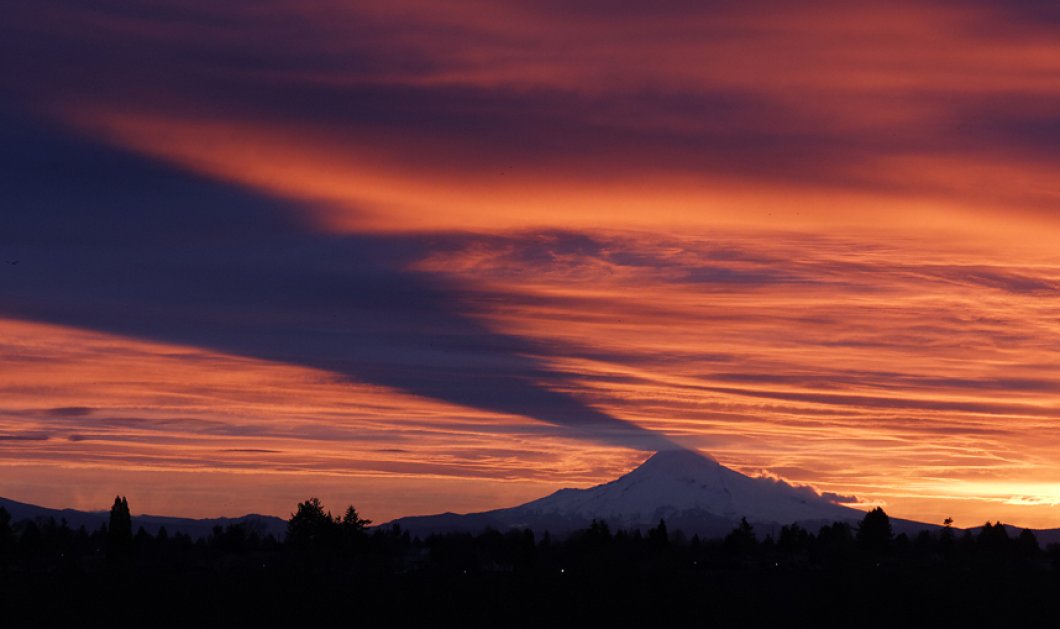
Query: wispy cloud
x=817, y=239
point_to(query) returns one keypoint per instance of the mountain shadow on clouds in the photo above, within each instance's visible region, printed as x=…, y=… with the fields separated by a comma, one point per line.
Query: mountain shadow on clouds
x=113, y=242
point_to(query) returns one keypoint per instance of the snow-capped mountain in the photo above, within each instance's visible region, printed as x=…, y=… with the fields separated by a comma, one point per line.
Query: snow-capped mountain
x=679, y=481
x=690, y=491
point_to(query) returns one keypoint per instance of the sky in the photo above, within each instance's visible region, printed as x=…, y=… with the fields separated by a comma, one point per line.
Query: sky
x=453, y=256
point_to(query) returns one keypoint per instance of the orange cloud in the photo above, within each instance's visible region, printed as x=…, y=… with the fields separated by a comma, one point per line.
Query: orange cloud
x=889, y=369
x=216, y=432
x=816, y=239
x=892, y=116
x=355, y=185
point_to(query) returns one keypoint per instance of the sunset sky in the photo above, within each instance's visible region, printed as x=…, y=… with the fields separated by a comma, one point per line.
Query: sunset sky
x=453, y=256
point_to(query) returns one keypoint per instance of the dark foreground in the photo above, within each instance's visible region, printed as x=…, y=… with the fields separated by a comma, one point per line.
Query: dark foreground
x=336, y=571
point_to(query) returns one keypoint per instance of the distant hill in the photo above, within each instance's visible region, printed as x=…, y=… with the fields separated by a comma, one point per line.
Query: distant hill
x=692, y=492
x=1045, y=536
x=92, y=520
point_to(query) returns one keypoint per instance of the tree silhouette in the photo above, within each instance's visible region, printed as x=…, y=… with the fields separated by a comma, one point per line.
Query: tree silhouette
x=599, y=533
x=351, y=521
x=793, y=538
x=742, y=538
x=7, y=536
x=310, y=526
x=351, y=529
x=993, y=537
x=119, y=527
x=874, y=532
x=659, y=535
x=464, y=570
x=1027, y=544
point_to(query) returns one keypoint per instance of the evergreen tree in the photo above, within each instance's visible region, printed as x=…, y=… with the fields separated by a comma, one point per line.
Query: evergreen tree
x=659, y=535
x=874, y=532
x=352, y=521
x=993, y=537
x=351, y=528
x=7, y=536
x=599, y=533
x=793, y=538
x=310, y=525
x=119, y=528
x=1027, y=544
x=947, y=538
x=742, y=538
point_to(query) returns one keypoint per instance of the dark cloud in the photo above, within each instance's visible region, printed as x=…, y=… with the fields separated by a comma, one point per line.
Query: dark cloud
x=70, y=411
x=1001, y=279
x=887, y=380
x=272, y=67
x=26, y=436
x=838, y=498
x=251, y=450
x=870, y=401
x=177, y=259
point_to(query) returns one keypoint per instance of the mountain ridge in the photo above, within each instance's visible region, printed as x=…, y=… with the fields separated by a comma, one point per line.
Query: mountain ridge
x=195, y=528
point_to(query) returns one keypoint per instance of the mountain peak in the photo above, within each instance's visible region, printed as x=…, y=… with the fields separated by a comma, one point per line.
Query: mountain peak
x=678, y=461
x=673, y=483
x=687, y=466
x=689, y=489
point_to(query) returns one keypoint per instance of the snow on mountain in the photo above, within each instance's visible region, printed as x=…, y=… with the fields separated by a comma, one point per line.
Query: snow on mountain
x=672, y=482
x=690, y=491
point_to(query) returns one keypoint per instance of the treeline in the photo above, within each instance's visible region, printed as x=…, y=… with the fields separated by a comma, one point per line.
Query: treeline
x=837, y=570
x=345, y=542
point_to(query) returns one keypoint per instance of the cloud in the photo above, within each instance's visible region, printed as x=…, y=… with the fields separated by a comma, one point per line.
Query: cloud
x=1033, y=501
x=70, y=411
x=403, y=119
x=251, y=450
x=24, y=437
x=338, y=303
x=839, y=499
x=810, y=237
